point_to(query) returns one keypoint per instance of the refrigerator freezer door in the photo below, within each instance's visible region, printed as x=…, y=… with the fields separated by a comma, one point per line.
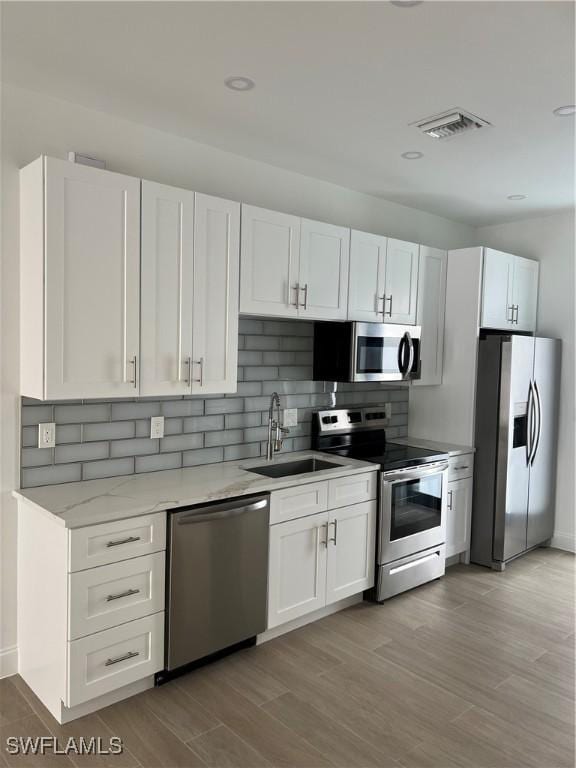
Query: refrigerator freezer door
x=543, y=468
x=513, y=469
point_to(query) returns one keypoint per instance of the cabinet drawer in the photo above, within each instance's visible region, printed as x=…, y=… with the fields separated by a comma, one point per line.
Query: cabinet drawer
x=116, y=657
x=290, y=503
x=100, y=598
x=352, y=490
x=460, y=466
x=120, y=540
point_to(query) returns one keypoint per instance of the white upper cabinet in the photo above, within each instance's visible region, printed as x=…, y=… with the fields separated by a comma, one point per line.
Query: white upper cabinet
x=80, y=281
x=167, y=285
x=401, y=282
x=497, y=310
x=525, y=293
x=270, y=263
x=190, y=263
x=323, y=276
x=509, y=291
x=215, y=303
x=430, y=313
x=366, y=286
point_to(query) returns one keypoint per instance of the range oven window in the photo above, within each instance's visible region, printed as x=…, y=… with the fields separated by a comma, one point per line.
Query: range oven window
x=416, y=506
x=376, y=354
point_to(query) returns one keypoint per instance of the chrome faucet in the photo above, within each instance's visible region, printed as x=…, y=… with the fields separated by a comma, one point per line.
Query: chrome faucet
x=274, y=429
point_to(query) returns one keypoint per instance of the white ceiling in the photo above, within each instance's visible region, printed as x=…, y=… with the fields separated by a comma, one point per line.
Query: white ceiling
x=337, y=86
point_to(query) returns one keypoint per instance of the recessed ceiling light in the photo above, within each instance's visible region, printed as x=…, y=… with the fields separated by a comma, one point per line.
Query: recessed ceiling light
x=516, y=197
x=412, y=155
x=569, y=109
x=237, y=83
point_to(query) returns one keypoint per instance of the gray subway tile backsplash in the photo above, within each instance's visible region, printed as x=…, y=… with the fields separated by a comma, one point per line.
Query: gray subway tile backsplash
x=106, y=439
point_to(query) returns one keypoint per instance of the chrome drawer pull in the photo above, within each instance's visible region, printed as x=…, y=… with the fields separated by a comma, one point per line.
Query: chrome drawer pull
x=461, y=466
x=129, y=655
x=128, y=540
x=128, y=593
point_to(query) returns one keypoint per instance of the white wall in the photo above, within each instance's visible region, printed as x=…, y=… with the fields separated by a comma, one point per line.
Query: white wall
x=34, y=124
x=550, y=240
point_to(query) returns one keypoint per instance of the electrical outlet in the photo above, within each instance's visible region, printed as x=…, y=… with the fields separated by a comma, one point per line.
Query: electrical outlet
x=290, y=417
x=156, y=427
x=47, y=435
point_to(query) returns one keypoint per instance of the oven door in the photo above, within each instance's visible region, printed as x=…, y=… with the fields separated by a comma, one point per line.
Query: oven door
x=412, y=511
x=383, y=352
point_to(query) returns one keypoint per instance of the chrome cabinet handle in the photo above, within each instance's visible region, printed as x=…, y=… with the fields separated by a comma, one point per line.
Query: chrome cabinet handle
x=335, y=537
x=305, y=289
x=461, y=466
x=389, y=298
x=516, y=308
x=188, y=363
x=450, y=500
x=129, y=655
x=297, y=289
x=128, y=593
x=324, y=527
x=201, y=364
x=118, y=542
x=133, y=362
x=511, y=310
x=383, y=300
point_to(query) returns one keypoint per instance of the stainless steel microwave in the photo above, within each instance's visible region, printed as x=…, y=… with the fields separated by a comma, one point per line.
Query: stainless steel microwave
x=366, y=352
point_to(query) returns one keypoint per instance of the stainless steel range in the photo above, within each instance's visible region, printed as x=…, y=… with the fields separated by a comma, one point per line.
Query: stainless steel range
x=412, y=507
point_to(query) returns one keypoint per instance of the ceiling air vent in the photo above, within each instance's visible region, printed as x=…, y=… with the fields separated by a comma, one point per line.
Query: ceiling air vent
x=450, y=124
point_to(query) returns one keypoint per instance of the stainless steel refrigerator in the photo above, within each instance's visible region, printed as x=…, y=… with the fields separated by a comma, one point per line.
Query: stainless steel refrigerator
x=518, y=386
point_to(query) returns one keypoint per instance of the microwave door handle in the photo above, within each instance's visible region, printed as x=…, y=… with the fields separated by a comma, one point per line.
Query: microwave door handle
x=410, y=353
x=401, y=355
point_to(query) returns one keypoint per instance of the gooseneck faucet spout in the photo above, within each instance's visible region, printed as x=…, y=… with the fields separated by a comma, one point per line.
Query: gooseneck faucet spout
x=275, y=431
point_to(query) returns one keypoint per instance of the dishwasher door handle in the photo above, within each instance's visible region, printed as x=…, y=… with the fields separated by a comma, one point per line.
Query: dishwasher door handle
x=204, y=514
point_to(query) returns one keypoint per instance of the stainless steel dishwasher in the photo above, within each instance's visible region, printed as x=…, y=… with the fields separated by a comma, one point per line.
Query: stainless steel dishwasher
x=217, y=577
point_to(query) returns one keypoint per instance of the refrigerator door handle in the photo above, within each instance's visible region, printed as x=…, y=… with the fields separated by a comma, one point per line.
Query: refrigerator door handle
x=538, y=410
x=530, y=425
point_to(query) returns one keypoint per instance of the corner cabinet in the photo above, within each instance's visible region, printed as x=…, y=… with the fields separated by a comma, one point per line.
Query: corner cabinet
x=509, y=291
x=79, y=281
x=430, y=313
x=383, y=284
x=292, y=267
x=190, y=262
x=319, y=559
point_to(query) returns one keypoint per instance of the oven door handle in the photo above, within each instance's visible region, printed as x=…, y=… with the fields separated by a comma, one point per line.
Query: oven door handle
x=399, y=477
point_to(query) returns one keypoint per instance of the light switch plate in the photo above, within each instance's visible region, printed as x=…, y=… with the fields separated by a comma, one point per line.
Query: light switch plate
x=290, y=417
x=156, y=427
x=47, y=435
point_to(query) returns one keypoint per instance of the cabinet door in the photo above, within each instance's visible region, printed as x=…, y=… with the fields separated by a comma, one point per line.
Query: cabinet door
x=401, y=282
x=525, y=293
x=366, y=285
x=430, y=314
x=269, y=263
x=167, y=274
x=351, y=550
x=324, y=263
x=458, y=516
x=497, y=289
x=92, y=282
x=297, y=568
x=215, y=304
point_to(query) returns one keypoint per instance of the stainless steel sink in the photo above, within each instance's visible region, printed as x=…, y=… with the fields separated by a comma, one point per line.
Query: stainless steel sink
x=300, y=467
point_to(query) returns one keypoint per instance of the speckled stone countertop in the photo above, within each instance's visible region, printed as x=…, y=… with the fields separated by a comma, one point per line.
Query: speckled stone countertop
x=75, y=505
x=453, y=450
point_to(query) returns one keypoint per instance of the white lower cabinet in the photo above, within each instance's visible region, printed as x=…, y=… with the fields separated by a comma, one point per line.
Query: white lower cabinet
x=319, y=559
x=101, y=663
x=351, y=561
x=459, y=505
x=297, y=568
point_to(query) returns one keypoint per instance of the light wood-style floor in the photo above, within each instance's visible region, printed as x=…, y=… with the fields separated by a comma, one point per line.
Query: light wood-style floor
x=474, y=670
